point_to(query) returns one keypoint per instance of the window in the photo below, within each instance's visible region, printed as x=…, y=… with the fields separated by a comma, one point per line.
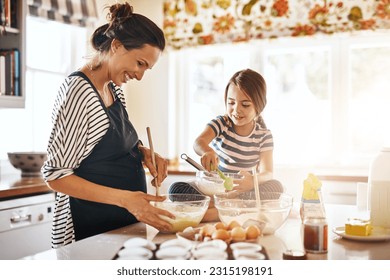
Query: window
x=327, y=96
x=54, y=50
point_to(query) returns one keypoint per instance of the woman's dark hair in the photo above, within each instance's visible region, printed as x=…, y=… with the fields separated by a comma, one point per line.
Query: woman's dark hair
x=132, y=30
x=253, y=84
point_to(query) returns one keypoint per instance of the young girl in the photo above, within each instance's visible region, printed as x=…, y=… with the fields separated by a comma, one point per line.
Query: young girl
x=239, y=141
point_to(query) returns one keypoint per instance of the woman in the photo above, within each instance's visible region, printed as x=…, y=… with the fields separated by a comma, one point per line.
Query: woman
x=95, y=159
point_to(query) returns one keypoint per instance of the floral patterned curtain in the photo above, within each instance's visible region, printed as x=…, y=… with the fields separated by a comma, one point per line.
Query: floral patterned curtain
x=201, y=22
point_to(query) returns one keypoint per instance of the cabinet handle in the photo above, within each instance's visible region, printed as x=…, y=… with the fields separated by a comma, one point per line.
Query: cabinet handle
x=18, y=219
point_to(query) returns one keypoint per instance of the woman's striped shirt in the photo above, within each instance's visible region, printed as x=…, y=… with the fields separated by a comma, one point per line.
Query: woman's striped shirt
x=79, y=123
x=237, y=152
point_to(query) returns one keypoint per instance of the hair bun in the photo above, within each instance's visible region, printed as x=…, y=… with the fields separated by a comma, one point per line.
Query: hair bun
x=119, y=12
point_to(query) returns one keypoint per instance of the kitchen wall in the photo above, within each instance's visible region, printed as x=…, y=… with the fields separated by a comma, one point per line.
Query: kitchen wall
x=147, y=100
x=147, y=103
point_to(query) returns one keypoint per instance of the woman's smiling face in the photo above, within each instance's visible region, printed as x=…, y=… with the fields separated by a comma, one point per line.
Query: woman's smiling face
x=125, y=65
x=239, y=107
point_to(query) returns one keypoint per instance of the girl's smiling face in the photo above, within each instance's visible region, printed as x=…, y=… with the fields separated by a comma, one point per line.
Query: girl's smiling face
x=126, y=65
x=240, y=108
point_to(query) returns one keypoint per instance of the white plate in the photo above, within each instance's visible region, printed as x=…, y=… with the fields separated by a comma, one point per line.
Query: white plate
x=377, y=234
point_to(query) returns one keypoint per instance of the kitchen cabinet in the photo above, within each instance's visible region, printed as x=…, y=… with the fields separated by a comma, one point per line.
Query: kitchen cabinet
x=26, y=210
x=25, y=225
x=12, y=60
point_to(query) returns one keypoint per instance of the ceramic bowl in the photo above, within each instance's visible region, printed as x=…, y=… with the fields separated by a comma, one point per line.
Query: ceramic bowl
x=242, y=207
x=29, y=163
x=189, y=209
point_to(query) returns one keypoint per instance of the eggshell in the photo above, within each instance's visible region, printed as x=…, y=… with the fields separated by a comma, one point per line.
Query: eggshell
x=207, y=230
x=220, y=225
x=238, y=234
x=233, y=224
x=252, y=232
x=220, y=234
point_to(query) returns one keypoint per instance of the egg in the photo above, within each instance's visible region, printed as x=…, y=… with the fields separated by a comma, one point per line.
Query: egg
x=233, y=224
x=207, y=230
x=222, y=234
x=220, y=225
x=238, y=234
x=252, y=232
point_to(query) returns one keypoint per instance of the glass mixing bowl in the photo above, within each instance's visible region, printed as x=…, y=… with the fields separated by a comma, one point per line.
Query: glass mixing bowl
x=270, y=215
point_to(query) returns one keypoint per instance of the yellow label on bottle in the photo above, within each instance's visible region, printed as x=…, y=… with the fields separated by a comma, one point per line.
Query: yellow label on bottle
x=311, y=186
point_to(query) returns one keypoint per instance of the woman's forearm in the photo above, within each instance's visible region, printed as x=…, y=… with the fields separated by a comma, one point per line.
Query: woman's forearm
x=78, y=187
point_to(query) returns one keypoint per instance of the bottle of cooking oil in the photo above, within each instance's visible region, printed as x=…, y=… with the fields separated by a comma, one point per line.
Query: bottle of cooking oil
x=379, y=189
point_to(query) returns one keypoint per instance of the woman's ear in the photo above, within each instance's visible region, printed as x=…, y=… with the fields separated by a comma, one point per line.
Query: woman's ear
x=115, y=45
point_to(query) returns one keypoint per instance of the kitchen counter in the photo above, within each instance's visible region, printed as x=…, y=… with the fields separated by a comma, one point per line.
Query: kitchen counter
x=13, y=185
x=16, y=186
x=289, y=237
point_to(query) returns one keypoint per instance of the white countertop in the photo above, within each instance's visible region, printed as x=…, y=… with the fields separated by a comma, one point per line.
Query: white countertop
x=106, y=245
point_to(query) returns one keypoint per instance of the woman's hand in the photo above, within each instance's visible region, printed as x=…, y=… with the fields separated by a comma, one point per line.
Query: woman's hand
x=209, y=160
x=161, y=172
x=246, y=183
x=138, y=204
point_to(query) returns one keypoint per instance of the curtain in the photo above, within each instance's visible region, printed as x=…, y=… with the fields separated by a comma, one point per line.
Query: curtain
x=77, y=12
x=201, y=22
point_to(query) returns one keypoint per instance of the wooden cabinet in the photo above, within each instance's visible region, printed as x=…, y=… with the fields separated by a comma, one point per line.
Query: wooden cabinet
x=12, y=46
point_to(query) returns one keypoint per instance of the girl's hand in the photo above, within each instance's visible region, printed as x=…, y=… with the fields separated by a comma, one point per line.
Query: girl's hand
x=245, y=184
x=138, y=204
x=209, y=160
x=161, y=172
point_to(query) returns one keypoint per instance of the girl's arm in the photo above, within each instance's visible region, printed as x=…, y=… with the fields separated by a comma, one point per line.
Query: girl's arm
x=266, y=166
x=265, y=173
x=209, y=159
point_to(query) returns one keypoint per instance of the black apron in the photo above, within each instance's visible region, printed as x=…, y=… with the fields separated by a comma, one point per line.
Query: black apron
x=114, y=162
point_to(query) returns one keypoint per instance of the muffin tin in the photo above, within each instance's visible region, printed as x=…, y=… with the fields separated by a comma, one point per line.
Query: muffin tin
x=138, y=248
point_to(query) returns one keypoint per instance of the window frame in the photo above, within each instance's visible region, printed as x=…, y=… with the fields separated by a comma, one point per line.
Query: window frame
x=339, y=46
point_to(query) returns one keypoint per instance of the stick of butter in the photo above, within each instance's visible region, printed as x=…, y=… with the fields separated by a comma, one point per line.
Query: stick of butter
x=358, y=227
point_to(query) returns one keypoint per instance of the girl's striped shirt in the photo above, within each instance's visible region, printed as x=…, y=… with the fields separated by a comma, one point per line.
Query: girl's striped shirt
x=239, y=153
